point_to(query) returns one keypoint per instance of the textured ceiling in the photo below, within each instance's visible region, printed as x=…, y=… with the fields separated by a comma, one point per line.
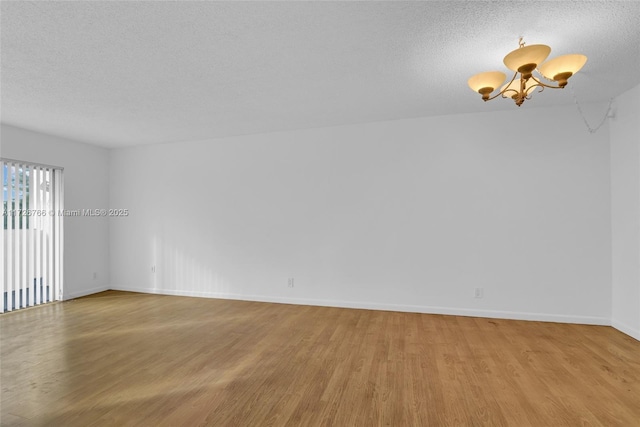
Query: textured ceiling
x=125, y=73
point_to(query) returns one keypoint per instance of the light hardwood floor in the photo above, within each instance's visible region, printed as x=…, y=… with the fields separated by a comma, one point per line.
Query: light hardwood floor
x=118, y=359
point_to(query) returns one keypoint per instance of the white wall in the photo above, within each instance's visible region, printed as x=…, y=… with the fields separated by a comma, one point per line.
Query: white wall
x=86, y=240
x=405, y=215
x=625, y=208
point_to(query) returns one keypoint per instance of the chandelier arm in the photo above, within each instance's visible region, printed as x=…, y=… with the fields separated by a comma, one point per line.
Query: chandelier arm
x=543, y=85
x=531, y=88
x=515, y=92
x=505, y=88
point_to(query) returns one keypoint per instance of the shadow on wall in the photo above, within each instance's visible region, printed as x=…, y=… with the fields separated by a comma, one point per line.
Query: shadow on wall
x=174, y=270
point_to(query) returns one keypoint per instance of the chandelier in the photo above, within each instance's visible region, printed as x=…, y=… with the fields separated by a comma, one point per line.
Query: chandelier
x=524, y=61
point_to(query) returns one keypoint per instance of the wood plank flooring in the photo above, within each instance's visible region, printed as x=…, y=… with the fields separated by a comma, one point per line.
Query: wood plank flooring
x=127, y=359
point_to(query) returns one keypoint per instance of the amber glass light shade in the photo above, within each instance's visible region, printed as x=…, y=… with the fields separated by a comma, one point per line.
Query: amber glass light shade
x=562, y=65
x=490, y=79
x=534, y=54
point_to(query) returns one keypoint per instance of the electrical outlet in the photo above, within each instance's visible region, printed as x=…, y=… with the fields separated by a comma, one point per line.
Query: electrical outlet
x=95, y=275
x=290, y=282
x=479, y=292
x=153, y=268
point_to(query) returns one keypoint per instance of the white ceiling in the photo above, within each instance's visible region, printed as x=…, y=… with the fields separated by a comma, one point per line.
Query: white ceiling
x=126, y=73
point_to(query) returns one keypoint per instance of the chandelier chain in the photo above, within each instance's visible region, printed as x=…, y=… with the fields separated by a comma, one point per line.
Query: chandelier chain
x=604, y=119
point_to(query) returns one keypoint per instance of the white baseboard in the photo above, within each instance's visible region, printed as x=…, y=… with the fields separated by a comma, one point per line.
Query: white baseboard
x=84, y=292
x=494, y=314
x=626, y=329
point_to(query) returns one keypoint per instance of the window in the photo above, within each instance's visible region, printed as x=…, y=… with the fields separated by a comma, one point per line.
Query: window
x=15, y=184
x=31, y=249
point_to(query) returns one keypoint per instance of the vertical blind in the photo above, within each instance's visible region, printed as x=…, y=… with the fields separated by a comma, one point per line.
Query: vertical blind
x=32, y=237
